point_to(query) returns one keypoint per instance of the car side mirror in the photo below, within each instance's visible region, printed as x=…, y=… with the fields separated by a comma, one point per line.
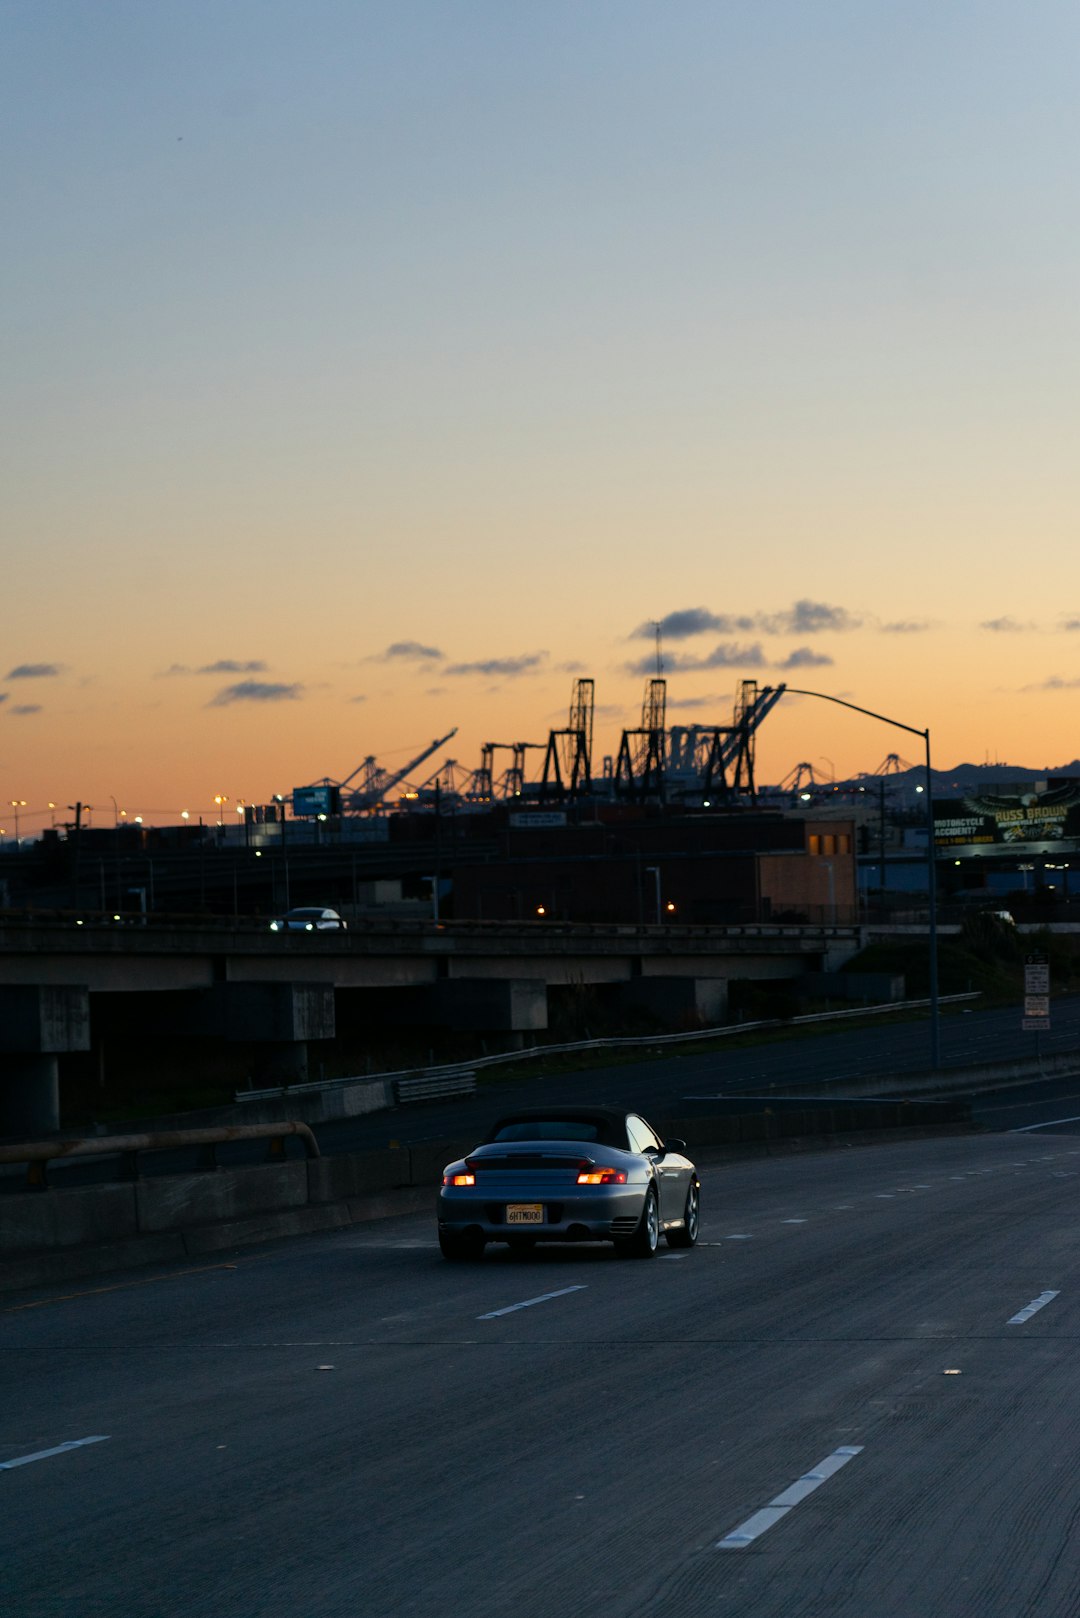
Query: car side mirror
x=674, y=1145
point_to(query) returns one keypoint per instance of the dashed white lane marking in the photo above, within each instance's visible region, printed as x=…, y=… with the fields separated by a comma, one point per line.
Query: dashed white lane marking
x=738, y=1236
x=58, y=1449
x=1033, y=1308
x=764, y=1519
x=793, y=1221
x=545, y=1297
x=884, y=1196
x=1029, y=1129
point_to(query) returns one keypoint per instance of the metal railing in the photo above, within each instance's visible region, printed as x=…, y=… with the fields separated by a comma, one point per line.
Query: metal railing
x=647, y=1043
x=434, y=1087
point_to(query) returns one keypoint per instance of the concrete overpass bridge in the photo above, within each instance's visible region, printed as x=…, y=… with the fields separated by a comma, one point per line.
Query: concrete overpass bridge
x=238, y=981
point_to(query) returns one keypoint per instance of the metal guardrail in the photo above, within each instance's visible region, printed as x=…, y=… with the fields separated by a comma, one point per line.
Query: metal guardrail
x=648, y=1043
x=365, y=926
x=434, y=1087
x=36, y=1154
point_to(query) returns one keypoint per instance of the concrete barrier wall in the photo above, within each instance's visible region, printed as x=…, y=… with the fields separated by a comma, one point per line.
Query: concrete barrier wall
x=41, y=1220
x=231, y=1207
x=174, y=1201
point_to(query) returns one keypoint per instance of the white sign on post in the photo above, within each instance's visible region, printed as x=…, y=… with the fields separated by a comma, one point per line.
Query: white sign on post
x=1036, y=995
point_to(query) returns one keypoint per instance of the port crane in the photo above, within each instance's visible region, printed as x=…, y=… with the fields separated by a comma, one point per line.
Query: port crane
x=375, y=783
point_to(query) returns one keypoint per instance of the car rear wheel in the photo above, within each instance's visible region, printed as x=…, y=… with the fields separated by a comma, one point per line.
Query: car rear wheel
x=687, y=1234
x=461, y=1249
x=646, y=1239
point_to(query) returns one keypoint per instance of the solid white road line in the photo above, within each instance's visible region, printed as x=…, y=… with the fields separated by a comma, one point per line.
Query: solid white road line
x=1030, y=1128
x=60, y=1449
x=1033, y=1308
x=544, y=1298
x=764, y=1519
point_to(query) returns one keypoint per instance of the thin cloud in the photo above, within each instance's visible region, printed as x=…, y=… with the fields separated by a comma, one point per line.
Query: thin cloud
x=699, y=702
x=910, y=626
x=256, y=691
x=803, y=618
x=3, y=696
x=1003, y=626
x=502, y=667
x=35, y=671
x=228, y=665
x=25, y=708
x=733, y=656
x=358, y=699
x=810, y=618
x=224, y=665
x=410, y=651
x=727, y=655
x=1053, y=683
x=803, y=658
x=1071, y=625
x=690, y=621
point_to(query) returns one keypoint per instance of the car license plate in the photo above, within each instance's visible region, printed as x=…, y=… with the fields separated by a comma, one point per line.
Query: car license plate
x=524, y=1213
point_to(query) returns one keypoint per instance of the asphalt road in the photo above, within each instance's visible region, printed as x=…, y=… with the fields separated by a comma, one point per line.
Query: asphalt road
x=857, y=1398
x=658, y=1086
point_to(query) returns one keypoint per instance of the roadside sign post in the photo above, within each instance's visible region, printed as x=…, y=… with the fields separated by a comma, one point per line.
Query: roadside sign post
x=1036, y=1018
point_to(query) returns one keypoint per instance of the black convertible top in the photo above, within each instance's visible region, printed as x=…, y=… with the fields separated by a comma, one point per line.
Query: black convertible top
x=605, y=1125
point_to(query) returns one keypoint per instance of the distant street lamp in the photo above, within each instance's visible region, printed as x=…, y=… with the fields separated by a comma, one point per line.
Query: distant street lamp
x=931, y=884
x=17, y=804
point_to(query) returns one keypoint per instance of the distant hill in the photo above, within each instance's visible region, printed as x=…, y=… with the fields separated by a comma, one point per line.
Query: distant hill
x=958, y=782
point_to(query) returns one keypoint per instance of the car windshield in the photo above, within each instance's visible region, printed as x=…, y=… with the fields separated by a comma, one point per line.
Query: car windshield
x=548, y=1129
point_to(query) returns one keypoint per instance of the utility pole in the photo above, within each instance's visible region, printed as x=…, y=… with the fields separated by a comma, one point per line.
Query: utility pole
x=77, y=809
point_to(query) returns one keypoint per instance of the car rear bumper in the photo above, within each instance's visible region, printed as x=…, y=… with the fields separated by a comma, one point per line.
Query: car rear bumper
x=599, y=1216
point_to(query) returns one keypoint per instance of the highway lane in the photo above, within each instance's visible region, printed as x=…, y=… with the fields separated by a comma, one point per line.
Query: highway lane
x=659, y=1084
x=345, y=1424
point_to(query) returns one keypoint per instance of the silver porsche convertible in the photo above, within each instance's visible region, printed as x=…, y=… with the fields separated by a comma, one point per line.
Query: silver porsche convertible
x=570, y=1174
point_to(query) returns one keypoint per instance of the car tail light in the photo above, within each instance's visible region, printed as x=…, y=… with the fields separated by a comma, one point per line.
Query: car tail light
x=459, y=1179
x=601, y=1177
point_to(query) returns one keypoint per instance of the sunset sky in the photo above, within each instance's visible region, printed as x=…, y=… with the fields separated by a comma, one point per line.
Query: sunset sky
x=370, y=369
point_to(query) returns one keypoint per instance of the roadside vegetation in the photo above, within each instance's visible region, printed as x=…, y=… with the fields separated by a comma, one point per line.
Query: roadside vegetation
x=987, y=956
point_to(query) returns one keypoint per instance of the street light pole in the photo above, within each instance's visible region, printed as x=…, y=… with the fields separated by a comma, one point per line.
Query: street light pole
x=654, y=872
x=931, y=874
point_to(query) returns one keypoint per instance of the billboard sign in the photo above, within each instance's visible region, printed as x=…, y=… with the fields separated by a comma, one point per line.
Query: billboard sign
x=1045, y=821
x=321, y=800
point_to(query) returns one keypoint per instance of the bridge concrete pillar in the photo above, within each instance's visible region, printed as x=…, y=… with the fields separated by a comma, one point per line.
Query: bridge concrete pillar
x=487, y=1005
x=29, y=1096
x=279, y=1017
x=285, y=1063
x=679, y=1002
x=37, y=1023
